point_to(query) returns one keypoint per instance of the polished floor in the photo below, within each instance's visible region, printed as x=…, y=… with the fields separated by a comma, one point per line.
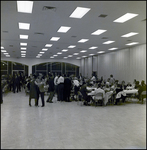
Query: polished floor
x=67, y=125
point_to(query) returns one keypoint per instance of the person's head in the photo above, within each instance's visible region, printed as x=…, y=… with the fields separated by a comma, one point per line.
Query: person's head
x=111, y=76
x=99, y=85
x=123, y=82
x=142, y=82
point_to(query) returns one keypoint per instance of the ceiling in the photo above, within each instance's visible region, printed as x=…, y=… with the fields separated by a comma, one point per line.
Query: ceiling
x=44, y=24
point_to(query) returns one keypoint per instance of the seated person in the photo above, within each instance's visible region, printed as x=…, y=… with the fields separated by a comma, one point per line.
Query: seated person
x=98, y=90
x=142, y=88
x=137, y=85
x=123, y=86
x=84, y=92
x=107, y=87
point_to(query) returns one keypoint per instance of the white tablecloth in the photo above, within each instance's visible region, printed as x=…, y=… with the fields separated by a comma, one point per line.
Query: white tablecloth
x=90, y=88
x=125, y=92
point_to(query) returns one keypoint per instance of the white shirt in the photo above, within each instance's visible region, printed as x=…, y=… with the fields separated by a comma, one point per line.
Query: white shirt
x=60, y=80
x=93, y=78
x=76, y=82
x=55, y=80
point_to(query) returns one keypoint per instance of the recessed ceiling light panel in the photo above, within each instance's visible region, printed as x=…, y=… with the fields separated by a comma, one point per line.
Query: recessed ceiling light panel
x=25, y=6
x=129, y=34
x=83, y=40
x=63, y=29
x=23, y=36
x=125, y=18
x=98, y=32
x=79, y=12
x=71, y=46
x=55, y=38
x=25, y=26
x=108, y=42
x=93, y=47
x=133, y=43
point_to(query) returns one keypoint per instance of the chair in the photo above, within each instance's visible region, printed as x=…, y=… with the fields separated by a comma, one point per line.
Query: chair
x=98, y=97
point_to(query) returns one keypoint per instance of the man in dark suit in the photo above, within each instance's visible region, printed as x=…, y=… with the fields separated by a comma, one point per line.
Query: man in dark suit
x=67, y=88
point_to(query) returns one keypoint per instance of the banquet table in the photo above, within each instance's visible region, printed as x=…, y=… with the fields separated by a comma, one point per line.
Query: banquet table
x=107, y=96
x=126, y=93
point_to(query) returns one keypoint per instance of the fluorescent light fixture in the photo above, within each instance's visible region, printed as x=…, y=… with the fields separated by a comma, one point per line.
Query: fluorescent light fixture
x=2, y=47
x=55, y=55
x=59, y=53
x=125, y=17
x=64, y=50
x=129, y=34
x=41, y=52
x=94, y=47
x=25, y=26
x=101, y=52
x=76, y=54
x=48, y=45
x=23, y=44
x=24, y=48
x=83, y=40
x=91, y=54
x=69, y=55
x=83, y=51
x=71, y=46
x=63, y=29
x=23, y=36
x=133, y=43
x=3, y=51
x=55, y=38
x=113, y=48
x=51, y=57
x=84, y=56
x=44, y=49
x=6, y=53
x=65, y=57
x=108, y=42
x=23, y=51
x=98, y=32
x=23, y=54
x=25, y=6
x=78, y=58
x=37, y=56
x=79, y=12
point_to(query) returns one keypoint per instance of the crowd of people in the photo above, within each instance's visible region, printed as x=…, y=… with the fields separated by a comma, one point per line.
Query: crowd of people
x=68, y=88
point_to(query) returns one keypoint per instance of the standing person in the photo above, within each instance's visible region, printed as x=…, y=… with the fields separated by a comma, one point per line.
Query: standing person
x=55, y=82
x=67, y=88
x=60, y=83
x=14, y=82
x=41, y=82
x=111, y=80
x=17, y=82
x=51, y=88
x=76, y=85
x=33, y=91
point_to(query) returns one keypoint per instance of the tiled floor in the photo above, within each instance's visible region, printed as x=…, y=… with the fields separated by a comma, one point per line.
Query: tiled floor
x=62, y=125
